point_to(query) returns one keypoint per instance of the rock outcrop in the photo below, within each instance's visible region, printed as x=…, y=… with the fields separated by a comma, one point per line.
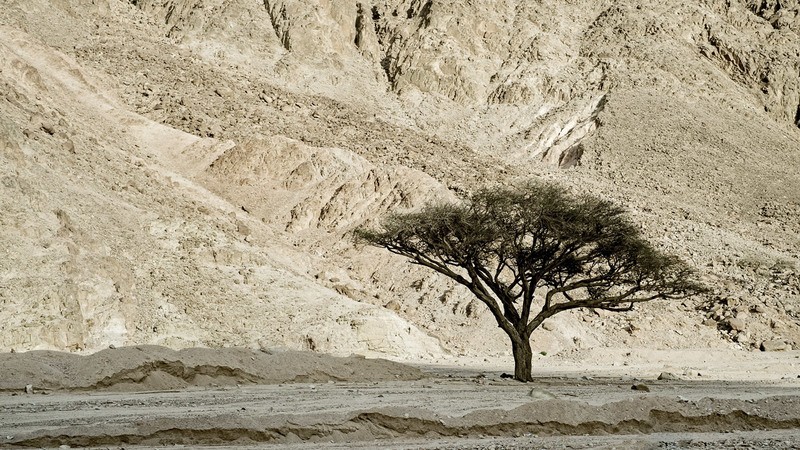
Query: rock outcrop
x=187, y=172
x=104, y=243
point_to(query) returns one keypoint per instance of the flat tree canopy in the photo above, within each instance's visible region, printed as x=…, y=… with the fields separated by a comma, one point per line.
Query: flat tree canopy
x=533, y=251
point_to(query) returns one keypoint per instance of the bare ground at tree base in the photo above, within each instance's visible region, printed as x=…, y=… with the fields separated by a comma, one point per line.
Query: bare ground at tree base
x=731, y=404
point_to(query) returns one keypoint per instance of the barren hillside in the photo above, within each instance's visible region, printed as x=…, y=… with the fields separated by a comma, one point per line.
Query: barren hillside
x=188, y=172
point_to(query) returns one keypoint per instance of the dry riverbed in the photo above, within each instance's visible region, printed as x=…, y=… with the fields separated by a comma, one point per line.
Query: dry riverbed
x=314, y=401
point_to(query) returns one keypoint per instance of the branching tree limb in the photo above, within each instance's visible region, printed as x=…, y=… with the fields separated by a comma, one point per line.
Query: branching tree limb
x=506, y=245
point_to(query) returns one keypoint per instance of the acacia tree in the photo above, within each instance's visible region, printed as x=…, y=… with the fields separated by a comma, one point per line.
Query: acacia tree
x=533, y=251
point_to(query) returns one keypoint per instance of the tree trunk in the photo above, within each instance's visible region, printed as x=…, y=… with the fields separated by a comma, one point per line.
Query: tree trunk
x=522, y=359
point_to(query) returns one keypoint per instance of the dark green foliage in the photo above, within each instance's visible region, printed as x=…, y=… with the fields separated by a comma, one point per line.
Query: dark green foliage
x=505, y=245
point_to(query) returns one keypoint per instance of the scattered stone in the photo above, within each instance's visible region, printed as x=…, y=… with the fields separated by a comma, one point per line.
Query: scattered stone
x=773, y=346
x=223, y=91
x=29, y=389
x=393, y=305
x=68, y=146
x=668, y=376
x=736, y=324
x=472, y=309
x=540, y=394
x=48, y=127
x=548, y=326
x=243, y=229
x=640, y=387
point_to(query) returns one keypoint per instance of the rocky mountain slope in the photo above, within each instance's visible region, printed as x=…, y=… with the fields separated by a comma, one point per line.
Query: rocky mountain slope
x=187, y=172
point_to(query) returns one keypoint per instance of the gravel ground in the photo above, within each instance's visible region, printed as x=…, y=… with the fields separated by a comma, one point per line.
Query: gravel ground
x=433, y=413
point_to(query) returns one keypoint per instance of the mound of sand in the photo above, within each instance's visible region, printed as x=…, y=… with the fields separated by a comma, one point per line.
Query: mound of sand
x=149, y=367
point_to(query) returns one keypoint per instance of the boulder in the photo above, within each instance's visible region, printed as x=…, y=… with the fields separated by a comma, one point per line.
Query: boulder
x=736, y=324
x=774, y=346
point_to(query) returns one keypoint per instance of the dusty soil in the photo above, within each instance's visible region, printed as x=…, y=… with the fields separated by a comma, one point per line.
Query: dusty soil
x=433, y=413
x=151, y=397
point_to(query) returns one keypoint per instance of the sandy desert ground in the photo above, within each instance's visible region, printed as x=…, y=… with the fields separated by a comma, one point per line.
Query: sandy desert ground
x=153, y=397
